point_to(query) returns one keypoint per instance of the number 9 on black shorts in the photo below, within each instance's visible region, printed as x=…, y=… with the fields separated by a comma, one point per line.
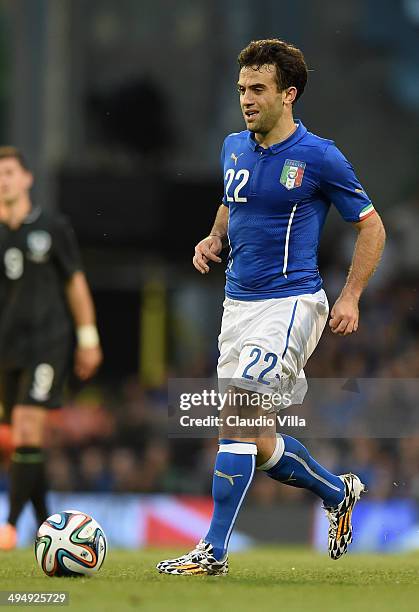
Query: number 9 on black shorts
x=38, y=384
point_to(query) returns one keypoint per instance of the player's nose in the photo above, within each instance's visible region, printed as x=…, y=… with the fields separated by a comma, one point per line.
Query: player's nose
x=247, y=99
x=248, y=104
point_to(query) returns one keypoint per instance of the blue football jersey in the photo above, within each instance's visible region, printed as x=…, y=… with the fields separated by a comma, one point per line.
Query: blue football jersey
x=278, y=199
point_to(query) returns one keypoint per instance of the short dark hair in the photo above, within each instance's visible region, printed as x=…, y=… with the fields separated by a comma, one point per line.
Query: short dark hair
x=291, y=68
x=15, y=153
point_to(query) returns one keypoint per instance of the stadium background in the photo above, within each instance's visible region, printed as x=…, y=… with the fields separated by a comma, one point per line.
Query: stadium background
x=121, y=109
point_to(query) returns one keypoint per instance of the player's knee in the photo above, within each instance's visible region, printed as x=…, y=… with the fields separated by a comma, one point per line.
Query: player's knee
x=27, y=428
x=24, y=437
x=266, y=447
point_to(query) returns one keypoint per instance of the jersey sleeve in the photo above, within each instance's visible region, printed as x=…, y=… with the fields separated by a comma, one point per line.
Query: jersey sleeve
x=340, y=185
x=66, y=249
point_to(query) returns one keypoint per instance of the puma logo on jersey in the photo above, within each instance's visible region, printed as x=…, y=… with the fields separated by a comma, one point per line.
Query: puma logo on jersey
x=227, y=476
x=235, y=157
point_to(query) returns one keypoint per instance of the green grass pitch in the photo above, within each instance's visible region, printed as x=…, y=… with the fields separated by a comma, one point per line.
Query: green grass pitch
x=271, y=579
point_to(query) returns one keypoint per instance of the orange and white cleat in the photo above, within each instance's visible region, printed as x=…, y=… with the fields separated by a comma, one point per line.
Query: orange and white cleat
x=200, y=561
x=8, y=537
x=340, y=525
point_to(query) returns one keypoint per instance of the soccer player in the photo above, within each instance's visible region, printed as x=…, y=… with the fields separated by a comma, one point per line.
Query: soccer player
x=44, y=296
x=279, y=183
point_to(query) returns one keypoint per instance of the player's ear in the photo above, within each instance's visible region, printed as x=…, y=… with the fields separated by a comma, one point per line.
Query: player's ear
x=289, y=95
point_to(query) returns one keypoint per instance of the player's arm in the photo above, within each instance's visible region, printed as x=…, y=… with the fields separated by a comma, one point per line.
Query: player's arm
x=341, y=186
x=88, y=355
x=210, y=247
x=367, y=253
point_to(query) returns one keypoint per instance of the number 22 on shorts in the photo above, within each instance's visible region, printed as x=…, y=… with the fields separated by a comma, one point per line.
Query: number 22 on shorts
x=270, y=358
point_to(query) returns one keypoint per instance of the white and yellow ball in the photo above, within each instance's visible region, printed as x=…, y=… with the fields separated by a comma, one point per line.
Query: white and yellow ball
x=70, y=543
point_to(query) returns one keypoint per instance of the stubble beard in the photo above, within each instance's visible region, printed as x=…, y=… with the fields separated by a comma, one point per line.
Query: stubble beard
x=257, y=127
x=261, y=128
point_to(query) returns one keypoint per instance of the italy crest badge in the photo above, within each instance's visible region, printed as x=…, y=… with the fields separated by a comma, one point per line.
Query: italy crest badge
x=292, y=173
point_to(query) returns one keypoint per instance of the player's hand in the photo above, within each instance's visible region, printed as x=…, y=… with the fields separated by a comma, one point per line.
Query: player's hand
x=207, y=250
x=344, y=316
x=87, y=361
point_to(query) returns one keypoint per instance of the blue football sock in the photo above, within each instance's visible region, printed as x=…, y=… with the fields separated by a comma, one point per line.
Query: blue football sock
x=233, y=473
x=292, y=464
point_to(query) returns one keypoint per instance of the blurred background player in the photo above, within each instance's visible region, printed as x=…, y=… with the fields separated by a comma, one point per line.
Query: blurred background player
x=279, y=183
x=44, y=296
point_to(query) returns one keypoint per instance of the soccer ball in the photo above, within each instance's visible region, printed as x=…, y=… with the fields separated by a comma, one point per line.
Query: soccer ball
x=70, y=543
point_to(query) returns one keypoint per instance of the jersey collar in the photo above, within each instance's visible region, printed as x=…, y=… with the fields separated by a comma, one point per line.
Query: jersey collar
x=284, y=144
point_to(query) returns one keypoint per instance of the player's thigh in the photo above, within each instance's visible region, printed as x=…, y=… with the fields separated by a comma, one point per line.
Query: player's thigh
x=311, y=312
x=40, y=388
x=228, y=341
x=278, y=340
x=265, y=330
x=43, y=382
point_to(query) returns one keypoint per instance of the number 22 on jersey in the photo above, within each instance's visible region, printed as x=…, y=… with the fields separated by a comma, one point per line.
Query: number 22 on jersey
x=240, y=179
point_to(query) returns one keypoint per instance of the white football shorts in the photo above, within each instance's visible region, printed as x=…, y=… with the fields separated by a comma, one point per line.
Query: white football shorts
x=265, y=344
